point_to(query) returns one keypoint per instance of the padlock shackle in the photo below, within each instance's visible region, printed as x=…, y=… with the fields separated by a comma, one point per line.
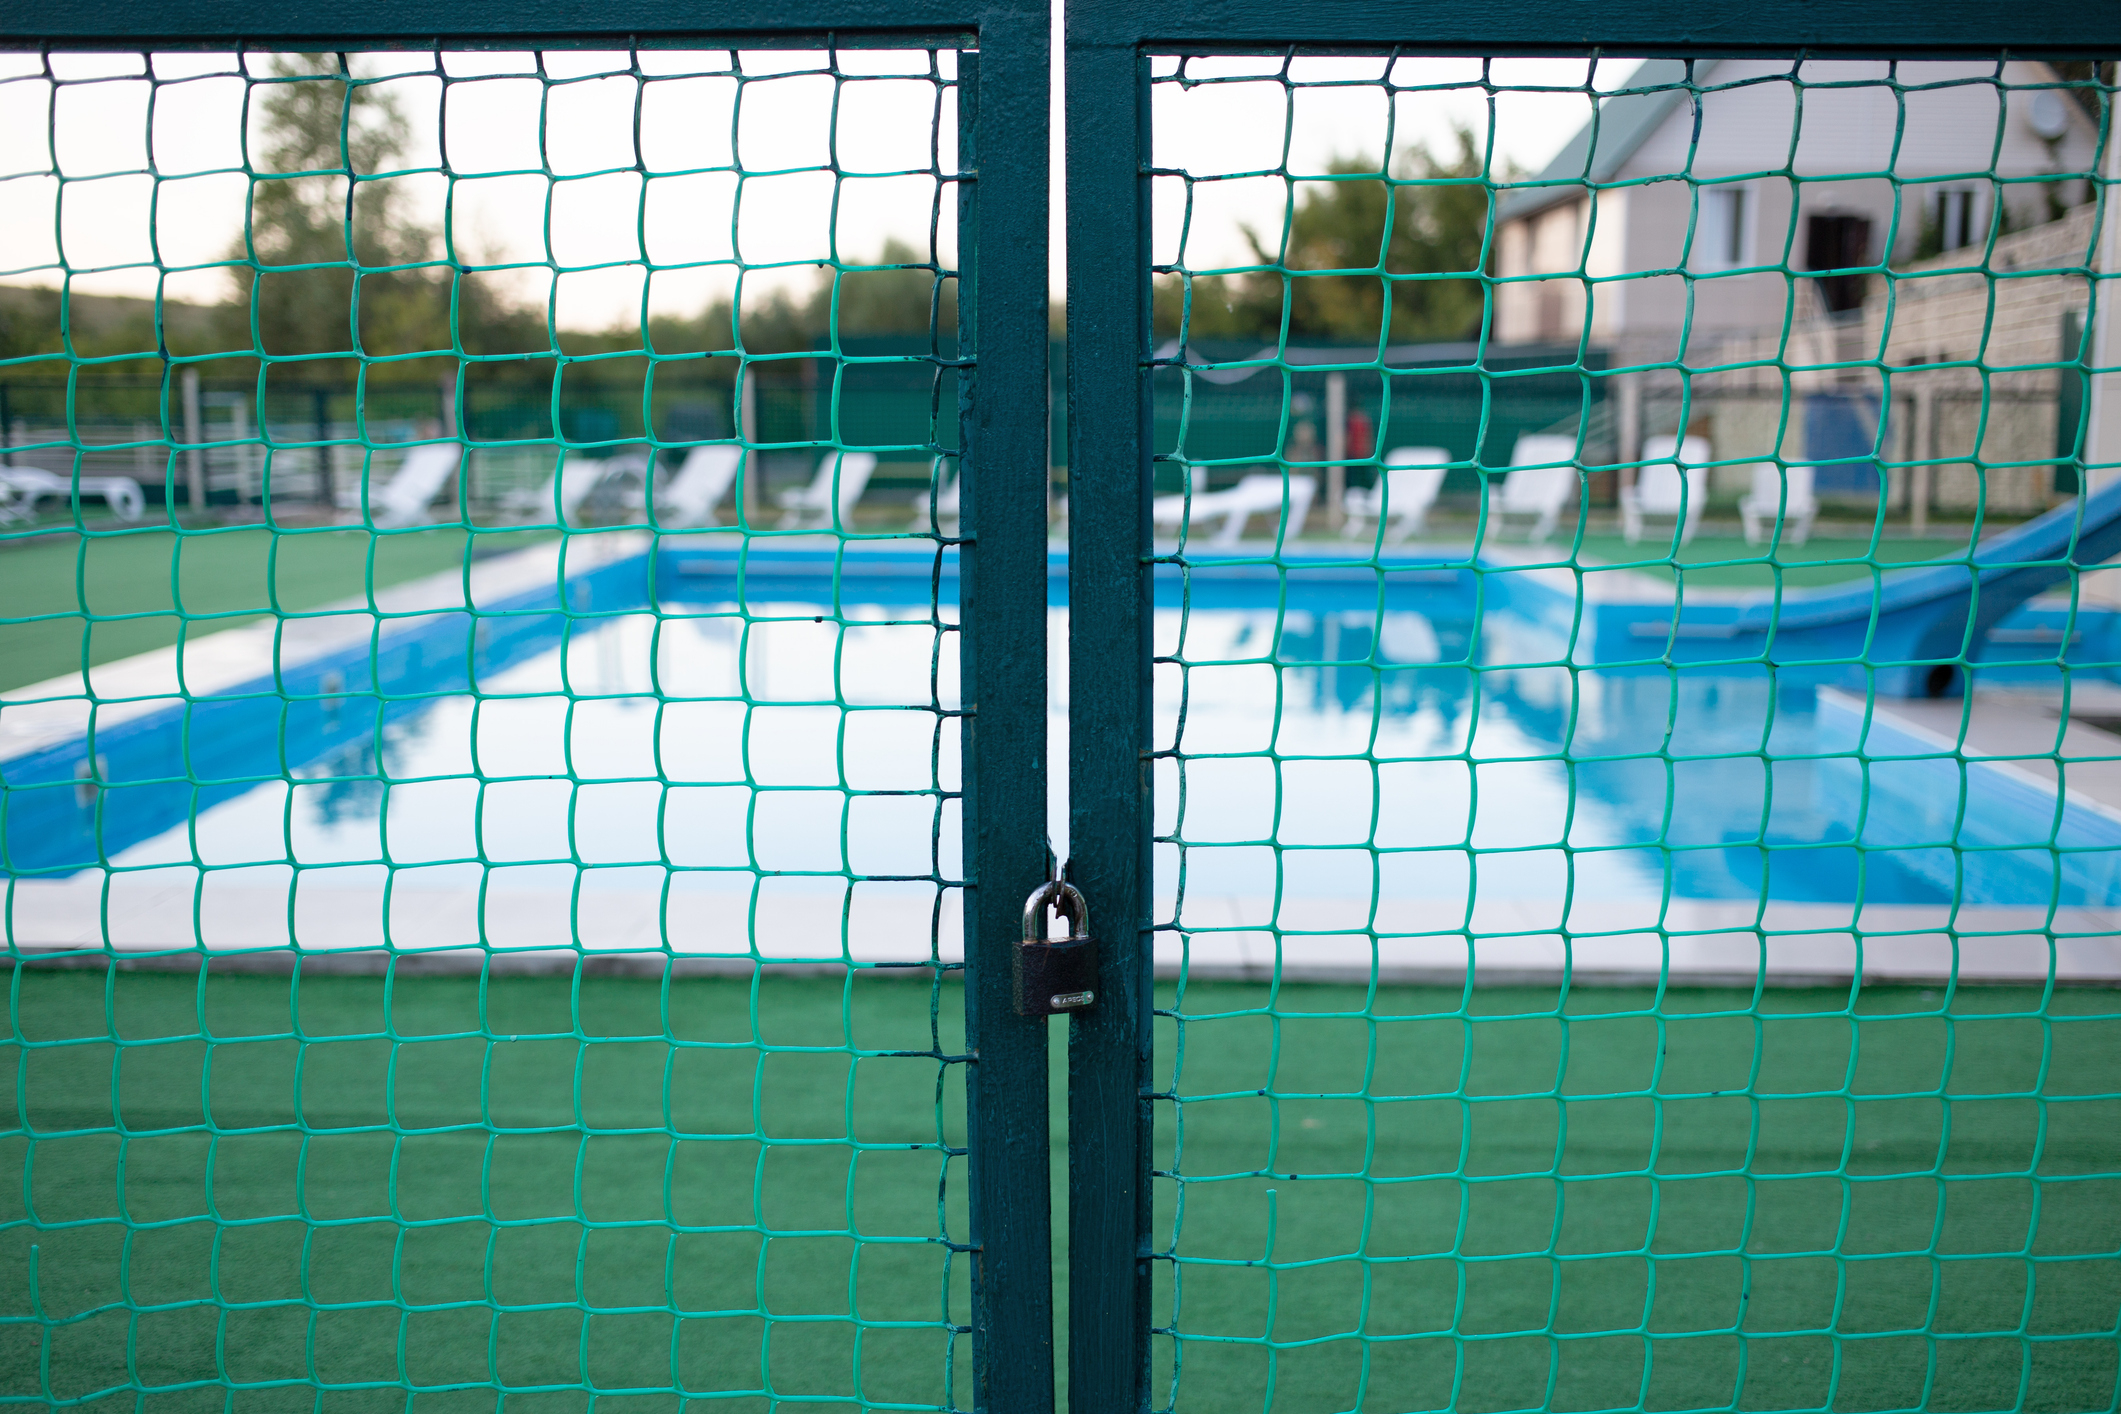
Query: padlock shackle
x=1063, y=900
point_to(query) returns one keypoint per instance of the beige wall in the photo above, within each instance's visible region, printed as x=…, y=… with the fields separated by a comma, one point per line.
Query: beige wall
x=2002, y=408
x=1990, y=421
x=1551, y=242
x=1947, y=308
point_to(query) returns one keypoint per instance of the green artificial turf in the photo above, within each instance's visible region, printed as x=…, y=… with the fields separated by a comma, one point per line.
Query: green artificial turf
x=1538, y=1220
x=610, y=1184
x=215, y=578
x=527, y=1146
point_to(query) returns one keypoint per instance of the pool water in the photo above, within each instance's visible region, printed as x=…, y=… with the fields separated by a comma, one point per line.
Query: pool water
x=570, y=756
x=1328, y=743
x=1548, y=781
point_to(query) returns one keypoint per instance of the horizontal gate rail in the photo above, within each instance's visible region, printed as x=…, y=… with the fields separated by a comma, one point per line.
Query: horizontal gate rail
x=1563, y=28
x=800, y=24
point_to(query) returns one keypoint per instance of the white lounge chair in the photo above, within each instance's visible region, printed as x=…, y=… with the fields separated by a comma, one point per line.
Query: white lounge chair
x=1796, y=508
x=16, y=504
x=841, y=478
x=689, y=497
x=24, y=486
x=1663, y=487
x=1543, y=478
x=1259, y=493
x=404, y=499
x=1404, y=492
x=945, y=517
x=570, y=486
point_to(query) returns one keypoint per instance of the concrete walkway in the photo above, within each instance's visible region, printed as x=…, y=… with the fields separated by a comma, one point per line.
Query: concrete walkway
x=56, y=710
x=1614, y=943
x=2034, y=730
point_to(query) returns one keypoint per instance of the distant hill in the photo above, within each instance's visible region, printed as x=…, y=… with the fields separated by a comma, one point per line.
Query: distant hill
x=101, y=325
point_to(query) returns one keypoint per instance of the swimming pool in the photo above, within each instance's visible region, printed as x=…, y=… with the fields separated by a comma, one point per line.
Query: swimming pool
x=1420, y=742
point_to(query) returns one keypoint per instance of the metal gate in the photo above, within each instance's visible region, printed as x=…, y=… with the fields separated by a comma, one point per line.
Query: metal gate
x=1589, y=708
x=490, y=805
x=1620, y=920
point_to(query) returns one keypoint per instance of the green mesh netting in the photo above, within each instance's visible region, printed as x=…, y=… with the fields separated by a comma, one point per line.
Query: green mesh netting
x=1634, y=855
x=1541, y=767
x=478, y=769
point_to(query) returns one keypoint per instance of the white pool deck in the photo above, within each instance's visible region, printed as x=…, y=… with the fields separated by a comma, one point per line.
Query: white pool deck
x=56, y=710
x=176, y=917
x=1318, y=940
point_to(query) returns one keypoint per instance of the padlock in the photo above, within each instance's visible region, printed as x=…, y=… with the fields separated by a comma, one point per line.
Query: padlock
x=1057, y=975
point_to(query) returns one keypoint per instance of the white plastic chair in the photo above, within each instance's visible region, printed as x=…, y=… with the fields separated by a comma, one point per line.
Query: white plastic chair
x=850, y=471
x=689, y=497
x=1765, y=503
x=1678, y=489
x=576, y=480
x=1259, y=493
x=16, y=503
x=27, y=485
x=1536, y=490
x=1404, y=492
x=944, y=507
x=404, y=499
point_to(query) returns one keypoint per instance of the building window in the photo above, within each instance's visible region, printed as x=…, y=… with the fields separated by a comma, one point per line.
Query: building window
x=1955, y=219
x=1837, y=243
x=1723, y=235
x=2069, y=404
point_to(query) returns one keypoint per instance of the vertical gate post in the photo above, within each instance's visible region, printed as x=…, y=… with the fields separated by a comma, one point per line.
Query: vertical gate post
x=320, y=407
x=1002, y=102
x=1109, y=723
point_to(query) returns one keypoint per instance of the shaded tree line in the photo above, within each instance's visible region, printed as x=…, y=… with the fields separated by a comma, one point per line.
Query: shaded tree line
x=333, y=270
x=1406, y=247
x=332, y=260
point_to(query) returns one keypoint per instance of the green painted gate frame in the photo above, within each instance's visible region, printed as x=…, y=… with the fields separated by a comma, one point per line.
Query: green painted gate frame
x=1003, y=324
x=1002, y=306
x=1110, y=412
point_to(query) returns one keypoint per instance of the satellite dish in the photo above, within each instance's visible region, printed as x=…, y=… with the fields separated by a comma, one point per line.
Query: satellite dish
x=2049, y=114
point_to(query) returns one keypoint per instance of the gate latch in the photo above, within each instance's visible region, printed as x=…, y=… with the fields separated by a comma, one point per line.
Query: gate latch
x=1055, y=975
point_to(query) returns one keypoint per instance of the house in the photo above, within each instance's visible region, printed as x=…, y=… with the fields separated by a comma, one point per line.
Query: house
x=1640, y=233
x=1683, y=227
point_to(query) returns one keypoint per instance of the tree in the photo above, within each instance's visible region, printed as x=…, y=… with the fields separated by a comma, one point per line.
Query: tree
x=324, y=248
x=903, y=298
x=906, y=300
x=1427, y=217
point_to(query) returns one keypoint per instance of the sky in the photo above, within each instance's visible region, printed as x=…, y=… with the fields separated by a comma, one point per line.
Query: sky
x=730, y=162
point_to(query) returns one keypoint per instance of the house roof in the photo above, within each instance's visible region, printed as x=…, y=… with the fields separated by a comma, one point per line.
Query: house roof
x=1625, y=121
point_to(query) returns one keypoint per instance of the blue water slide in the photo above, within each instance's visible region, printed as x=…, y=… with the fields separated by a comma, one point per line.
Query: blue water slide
x=1913, y=628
